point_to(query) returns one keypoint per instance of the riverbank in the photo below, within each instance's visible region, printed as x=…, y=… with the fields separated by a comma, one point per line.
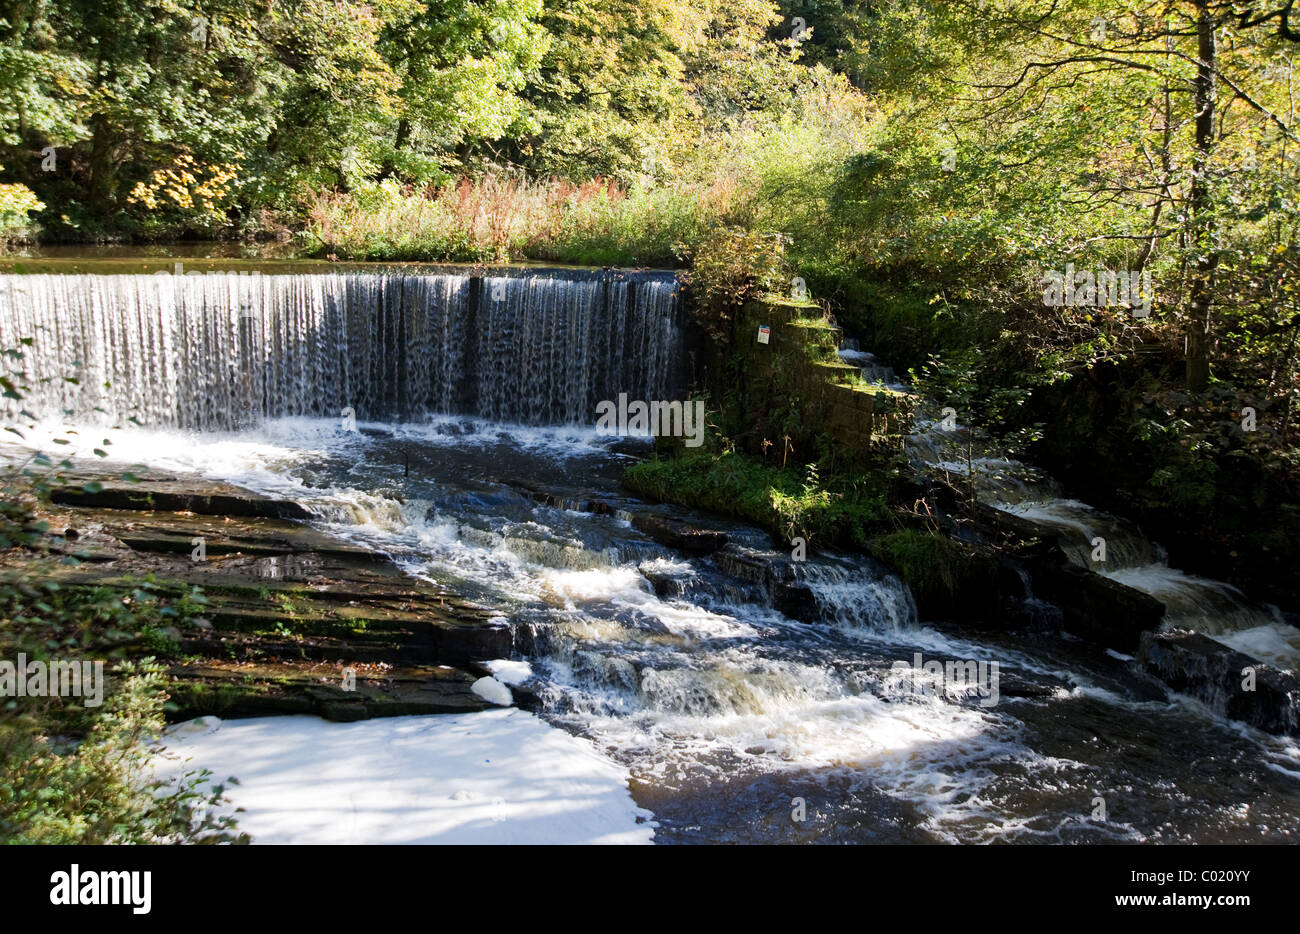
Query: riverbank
x=724, y=678
x=288, y=620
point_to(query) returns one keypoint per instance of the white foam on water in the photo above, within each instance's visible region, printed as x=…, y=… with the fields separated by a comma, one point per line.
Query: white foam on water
x=508, y=671
x=498, y=776
x=628, y=663
x=666, y=566
x=943, y=758
x=493, y=691
x=561, y=442
x=1275, y=643
x=775, y=713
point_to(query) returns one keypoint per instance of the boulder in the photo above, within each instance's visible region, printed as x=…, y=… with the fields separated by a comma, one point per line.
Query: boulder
x=680, y=535
x=1194, y=664
x=1094, y=607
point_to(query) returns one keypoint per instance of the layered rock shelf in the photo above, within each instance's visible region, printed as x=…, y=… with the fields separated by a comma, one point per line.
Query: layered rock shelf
x=288, y=609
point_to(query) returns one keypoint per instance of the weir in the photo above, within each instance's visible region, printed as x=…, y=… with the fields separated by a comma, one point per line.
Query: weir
x=713, y=663
x=224, y=350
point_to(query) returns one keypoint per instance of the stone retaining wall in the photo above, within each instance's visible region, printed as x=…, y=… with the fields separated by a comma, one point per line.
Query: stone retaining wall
x=796, y=379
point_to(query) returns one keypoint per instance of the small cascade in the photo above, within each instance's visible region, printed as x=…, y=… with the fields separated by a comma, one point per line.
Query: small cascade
x=864, y=597
x=870, y=369
x=1117, y=549
x=1103, y=543
x=1220, y=611
x=228, y=350
x=940, y=444
x=1090, y=538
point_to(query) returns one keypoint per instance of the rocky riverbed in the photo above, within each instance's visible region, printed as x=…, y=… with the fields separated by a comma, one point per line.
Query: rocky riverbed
x=289, y=608
x=720, y=679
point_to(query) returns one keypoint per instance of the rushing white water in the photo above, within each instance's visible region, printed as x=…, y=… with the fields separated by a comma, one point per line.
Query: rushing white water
x=721, y=706
x=699, y=691
x=862, y=596
x=225, y=350
x=869, y=367
x=1111, y=546
x=669, y=683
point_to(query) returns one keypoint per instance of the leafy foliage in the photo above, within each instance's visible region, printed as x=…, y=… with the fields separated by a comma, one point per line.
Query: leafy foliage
x=70, y=773
x=788, y=500
x=16, y=203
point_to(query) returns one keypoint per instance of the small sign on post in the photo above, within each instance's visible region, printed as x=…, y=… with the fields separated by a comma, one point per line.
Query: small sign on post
x=764, y=332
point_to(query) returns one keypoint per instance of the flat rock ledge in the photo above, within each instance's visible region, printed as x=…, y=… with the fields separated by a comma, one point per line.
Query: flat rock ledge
x=294, y=616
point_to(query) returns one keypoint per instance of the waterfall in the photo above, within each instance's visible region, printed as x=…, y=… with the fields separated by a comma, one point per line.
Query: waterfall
x=224, y=350
x=1210, y=607
x=863, y=597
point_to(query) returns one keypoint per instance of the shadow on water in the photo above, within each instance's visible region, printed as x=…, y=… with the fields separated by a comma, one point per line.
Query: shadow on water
x=681, y=666
x=725, y=710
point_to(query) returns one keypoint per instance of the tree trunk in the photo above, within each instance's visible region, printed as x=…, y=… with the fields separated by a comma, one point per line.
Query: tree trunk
x=403, y=137
x=1202, y=289
x=101, y=183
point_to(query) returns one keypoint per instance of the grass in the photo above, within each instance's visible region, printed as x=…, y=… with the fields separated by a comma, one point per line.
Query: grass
x=497, y=219
x=788, y=502
x=928, y=561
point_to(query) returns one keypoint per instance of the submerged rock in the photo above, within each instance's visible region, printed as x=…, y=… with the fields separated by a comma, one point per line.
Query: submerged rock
x=680, y=535
x=1229, y=682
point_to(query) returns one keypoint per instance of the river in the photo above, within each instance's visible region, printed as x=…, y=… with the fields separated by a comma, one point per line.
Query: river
x=729, y=715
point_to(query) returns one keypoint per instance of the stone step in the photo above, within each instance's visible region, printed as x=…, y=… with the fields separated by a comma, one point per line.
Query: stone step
x=233, y=689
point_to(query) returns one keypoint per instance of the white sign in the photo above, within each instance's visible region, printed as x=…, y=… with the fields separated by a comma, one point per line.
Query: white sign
x=764, y=332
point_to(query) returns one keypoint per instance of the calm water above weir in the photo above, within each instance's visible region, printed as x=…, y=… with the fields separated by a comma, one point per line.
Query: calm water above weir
x=682, y=667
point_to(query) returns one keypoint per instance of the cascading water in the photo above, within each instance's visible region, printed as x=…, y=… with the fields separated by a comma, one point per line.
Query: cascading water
x=681, y=666
x=1108, y=545
x=869, y=368
x=724, y=708
x=860, y=595
x=225, y=350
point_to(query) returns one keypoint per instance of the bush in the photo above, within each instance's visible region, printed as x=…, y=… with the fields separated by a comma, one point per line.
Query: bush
x=71, y=774
x=16, y=202
x=501, y=218
x=730, y=266
x=785, y=501
x=100, y=789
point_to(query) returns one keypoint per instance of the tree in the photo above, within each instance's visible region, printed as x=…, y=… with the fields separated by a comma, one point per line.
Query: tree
x=1144, y=150
x=464, y=67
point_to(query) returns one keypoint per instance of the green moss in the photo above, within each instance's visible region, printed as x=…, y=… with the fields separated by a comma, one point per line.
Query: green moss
x=933, y=565
x=200, y=698
x=787, y=501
